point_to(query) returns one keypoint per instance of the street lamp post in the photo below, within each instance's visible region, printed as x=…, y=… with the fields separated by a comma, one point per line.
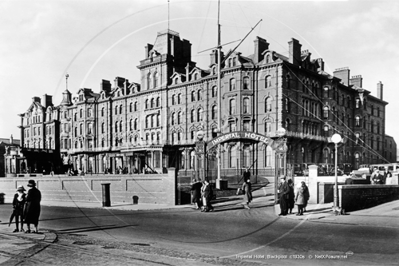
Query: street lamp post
x=280, y=150
x=336, y=138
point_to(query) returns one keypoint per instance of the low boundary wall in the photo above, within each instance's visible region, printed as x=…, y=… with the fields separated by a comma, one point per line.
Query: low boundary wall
x=357, y=197
x=149, y=188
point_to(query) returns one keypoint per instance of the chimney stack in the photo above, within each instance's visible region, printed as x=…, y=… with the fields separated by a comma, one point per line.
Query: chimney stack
x=357, y=81
x=380, y=90
x=260, y=45
x=342, y=74
x=295, y=52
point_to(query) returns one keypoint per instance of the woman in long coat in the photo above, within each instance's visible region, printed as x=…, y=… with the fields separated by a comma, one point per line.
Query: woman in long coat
x=291, y=195
x=247, y=191
x=32, y=207
x=196, y=193
x=207, y=193
x=302, y=197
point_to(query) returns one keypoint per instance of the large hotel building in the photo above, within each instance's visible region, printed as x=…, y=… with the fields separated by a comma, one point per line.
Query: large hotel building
x=151, y=124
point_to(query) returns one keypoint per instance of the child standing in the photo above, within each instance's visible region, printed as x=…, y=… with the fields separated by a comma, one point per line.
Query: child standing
x=18, y=204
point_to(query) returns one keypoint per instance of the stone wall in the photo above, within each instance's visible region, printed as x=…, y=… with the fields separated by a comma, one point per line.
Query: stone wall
x=150, y=188
x=357, y=197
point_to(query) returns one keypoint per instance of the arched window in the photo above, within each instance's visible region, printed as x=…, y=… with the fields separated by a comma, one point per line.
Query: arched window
x=158, y=102
x=173, y=99
x=232, y=84
x=116, y=109
x=152, y=103
x=232, y=156
x=193, y=96
x=173, y=119
x=131, y=107
x=214, y=91
x=246, y=108
x=268, y=128
x=268, y=58
x=325, y=112
x=146, y=104
x=81, y=129
x=179, y=118
x=158, y=120
x=268, y=81
x=147, y=121
x=76, y=132
x=268, y=104
x=102, y=111
x=135, y=124
x=268, y=157
x=179, y=98
x=357, y=121
x=192, y=115
x=232, y=107
x=287, y=124
x=131, y=124
x=199, y=114
x=116, y=126
x=155, y=80
x=102, y=127
x=199, y=98
x=120, y=109
x=120, y=126
x=245, y=83
x=135, y=106
x=214, y=112
x=81, y=113
x=148, y=81
x=153, y=121
x=158, y=138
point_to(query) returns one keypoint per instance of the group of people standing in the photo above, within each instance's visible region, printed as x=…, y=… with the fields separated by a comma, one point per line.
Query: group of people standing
x=288, y=199
x=202, y=194
x=379, y=178
x=26, y=208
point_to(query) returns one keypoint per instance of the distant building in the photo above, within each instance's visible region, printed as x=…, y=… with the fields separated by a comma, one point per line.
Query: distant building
x=152, y=124
x=8, y=147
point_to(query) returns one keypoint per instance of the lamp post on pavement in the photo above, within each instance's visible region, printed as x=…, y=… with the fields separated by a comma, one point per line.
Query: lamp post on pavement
x=336, y=138
x=280, y=150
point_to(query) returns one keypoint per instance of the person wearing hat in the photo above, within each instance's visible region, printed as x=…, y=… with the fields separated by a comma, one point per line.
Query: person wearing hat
x=32, y=207
x=283, y=192
x=18, y=204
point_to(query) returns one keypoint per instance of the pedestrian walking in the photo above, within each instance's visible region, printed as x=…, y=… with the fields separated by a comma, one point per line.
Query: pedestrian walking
x=32, y=207
x=206, y=193
x=283, y=191
x=291, y=196
x=302, y=197
x=18, y=204
x=247, y=191
x=377, y=178
x=196, y=193
x=246, y=175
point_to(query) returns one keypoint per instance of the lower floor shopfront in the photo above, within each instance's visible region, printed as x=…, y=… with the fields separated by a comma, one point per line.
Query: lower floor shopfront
x=235, y=155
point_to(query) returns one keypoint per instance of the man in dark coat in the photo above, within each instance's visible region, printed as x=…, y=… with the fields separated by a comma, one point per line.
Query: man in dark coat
x=283, y=191
x=247, y=191
x=18, y=204
x=32, y=207
x=246, y=175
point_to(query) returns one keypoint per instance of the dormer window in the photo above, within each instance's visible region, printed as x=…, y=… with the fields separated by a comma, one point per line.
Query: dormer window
x=268, y=58
x=80, y=97
x=195, y=76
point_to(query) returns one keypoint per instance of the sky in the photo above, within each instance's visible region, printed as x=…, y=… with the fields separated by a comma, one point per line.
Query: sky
x=43, y=40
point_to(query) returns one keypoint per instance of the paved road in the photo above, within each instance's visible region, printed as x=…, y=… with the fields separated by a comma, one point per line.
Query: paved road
x=229, y=236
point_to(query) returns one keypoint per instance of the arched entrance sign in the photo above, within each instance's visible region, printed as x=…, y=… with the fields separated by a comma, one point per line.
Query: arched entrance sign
x=237, y=135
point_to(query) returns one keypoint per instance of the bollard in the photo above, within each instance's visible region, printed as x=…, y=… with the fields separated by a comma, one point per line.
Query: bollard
x=135, y=200
x=106, y=195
